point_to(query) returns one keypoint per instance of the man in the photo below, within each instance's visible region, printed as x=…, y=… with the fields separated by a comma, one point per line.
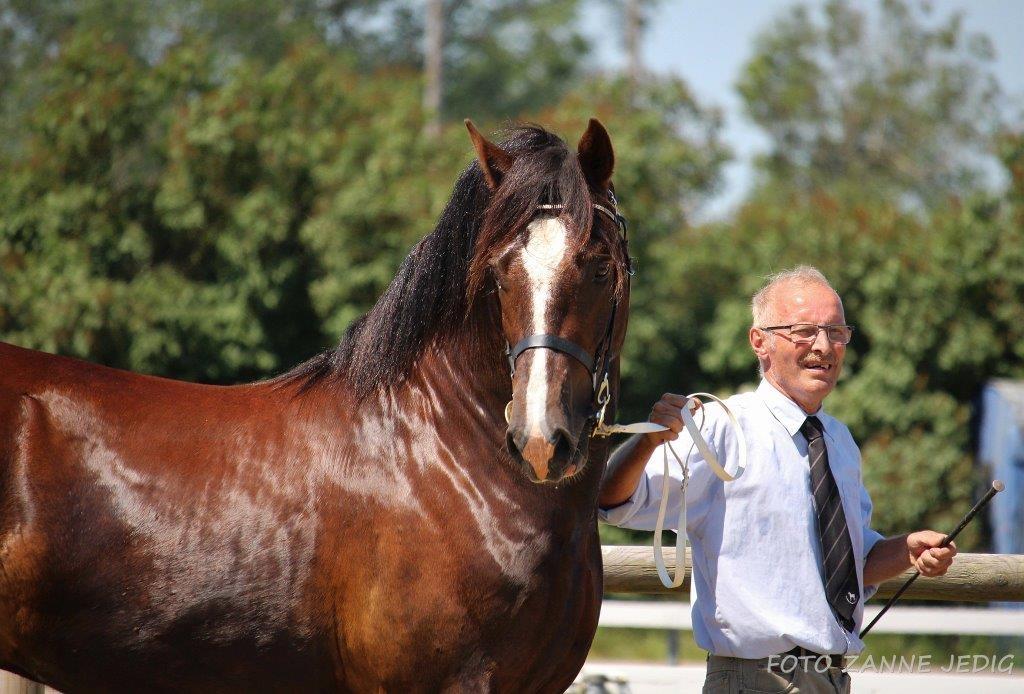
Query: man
x=763, y=586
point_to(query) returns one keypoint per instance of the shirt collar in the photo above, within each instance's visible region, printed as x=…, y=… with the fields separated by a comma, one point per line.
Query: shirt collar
x=790, y=415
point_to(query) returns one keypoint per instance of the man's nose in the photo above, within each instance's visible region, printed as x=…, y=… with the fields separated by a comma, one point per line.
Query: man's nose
x=821, y=342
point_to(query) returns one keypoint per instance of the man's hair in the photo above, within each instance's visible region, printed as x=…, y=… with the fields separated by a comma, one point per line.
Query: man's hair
x=761, y=303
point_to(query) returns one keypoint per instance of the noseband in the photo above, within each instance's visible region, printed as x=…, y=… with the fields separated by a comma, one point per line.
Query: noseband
x=598, y=373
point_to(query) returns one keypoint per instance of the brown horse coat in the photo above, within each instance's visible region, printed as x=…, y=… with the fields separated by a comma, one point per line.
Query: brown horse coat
x=320, y=531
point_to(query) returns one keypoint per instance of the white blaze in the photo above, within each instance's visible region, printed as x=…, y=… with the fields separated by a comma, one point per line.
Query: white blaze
x=542, y=256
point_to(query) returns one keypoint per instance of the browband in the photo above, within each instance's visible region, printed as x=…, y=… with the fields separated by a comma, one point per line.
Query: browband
x=615, y=217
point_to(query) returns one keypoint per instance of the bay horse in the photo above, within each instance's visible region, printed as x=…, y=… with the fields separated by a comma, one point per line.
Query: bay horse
x=368, y=521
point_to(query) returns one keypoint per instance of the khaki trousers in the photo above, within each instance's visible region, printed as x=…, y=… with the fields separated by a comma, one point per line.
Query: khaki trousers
x=739, y=675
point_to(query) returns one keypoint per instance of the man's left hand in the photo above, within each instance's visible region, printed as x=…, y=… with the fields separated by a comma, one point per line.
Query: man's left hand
x=925, y=554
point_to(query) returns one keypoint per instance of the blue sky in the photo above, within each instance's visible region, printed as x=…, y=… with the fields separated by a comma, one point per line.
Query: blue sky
x=707, y=41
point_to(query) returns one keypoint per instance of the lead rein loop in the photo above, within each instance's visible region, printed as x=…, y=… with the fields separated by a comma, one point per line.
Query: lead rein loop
x=693, y=429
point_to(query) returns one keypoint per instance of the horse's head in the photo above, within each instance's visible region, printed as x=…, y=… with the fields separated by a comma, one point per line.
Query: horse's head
x=552, y=245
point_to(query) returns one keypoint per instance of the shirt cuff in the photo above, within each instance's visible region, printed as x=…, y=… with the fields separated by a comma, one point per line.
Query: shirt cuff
x=871, y=537
x=620, y=515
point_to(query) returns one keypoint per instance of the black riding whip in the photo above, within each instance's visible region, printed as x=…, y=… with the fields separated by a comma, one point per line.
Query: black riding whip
x=996, y=487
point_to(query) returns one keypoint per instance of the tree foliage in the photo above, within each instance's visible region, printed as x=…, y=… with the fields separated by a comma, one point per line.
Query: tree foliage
x=881, y=100
x=508, y=58
x=171, y=218
x=503, y=58
x=217, y=230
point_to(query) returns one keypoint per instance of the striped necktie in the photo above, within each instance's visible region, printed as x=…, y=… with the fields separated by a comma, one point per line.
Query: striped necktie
x=840, y=578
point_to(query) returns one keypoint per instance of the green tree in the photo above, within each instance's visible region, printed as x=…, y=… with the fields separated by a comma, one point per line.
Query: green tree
x=887, y=102
x=506, y=58
x=503, y=57
x=174, y=218
x=217, y=230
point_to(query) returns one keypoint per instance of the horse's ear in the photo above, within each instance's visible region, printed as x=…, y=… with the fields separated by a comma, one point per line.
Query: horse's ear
x=494, y=161
x=596, y=156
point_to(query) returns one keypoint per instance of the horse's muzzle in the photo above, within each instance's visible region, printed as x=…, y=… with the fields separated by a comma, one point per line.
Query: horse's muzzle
x=545, y=456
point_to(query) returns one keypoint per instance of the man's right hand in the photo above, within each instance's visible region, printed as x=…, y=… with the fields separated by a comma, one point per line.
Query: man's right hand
x=668, y=413
x=626, y=464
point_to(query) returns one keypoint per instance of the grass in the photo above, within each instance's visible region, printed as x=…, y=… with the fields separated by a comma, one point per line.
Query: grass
x=651, y=645
x=644, y=645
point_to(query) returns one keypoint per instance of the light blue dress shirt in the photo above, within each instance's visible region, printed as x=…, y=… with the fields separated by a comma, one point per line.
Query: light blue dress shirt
x=757, y=572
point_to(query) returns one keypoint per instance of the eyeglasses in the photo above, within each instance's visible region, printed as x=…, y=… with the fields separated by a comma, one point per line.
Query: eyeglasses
x=806, y=333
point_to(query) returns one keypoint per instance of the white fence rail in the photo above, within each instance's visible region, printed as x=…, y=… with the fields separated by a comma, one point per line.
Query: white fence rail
x=898, y=620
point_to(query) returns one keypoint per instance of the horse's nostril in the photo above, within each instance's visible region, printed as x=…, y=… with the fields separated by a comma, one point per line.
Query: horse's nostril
x=515, y=441
x=529, y=470
x=563, y=445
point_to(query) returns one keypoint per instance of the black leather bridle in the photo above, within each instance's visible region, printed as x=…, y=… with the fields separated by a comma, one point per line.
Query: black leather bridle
x=598, y=369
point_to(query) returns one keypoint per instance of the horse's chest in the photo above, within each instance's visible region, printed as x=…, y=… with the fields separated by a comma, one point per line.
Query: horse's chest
x=460, y=609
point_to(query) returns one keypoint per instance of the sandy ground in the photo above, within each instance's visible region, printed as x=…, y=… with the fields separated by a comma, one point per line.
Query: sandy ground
x=662, y=679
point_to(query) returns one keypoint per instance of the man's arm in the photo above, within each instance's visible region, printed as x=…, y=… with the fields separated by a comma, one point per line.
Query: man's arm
x=626, y=464
x=893, y=556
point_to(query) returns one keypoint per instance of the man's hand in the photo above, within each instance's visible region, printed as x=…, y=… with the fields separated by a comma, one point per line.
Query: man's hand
x=668, y=413
x=626, y=464
x=920, y=550
x=925, y=554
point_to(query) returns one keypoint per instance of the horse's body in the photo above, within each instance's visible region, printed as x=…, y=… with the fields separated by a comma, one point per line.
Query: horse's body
x=295, y=534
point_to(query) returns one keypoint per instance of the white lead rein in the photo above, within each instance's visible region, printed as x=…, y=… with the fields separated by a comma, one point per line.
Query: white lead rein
x=692, y=400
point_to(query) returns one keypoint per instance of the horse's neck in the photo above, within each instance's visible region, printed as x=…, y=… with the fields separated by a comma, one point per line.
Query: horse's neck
x=467, y=379
x=472, y=385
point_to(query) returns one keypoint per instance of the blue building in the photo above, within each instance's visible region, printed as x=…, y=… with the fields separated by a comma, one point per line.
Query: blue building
x=1001, y=452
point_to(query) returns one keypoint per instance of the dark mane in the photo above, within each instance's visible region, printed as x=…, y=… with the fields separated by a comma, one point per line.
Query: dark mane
x=440, y=285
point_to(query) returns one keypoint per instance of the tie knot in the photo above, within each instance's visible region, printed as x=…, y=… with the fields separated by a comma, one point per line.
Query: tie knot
x=812, y=429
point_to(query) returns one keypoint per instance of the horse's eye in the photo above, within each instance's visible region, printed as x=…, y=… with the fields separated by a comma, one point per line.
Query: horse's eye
x=602, y=270
x=500, y=267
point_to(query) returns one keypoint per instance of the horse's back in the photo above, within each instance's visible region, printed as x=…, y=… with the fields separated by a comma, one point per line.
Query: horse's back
x=22, y=372
x=37, y=374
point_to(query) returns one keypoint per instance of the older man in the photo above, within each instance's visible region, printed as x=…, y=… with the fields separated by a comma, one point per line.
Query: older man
x=782, y=555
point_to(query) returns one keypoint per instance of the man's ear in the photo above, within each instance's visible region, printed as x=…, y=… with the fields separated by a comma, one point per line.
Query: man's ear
x=759, y=342
x=596, y=156
x=494, y=161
